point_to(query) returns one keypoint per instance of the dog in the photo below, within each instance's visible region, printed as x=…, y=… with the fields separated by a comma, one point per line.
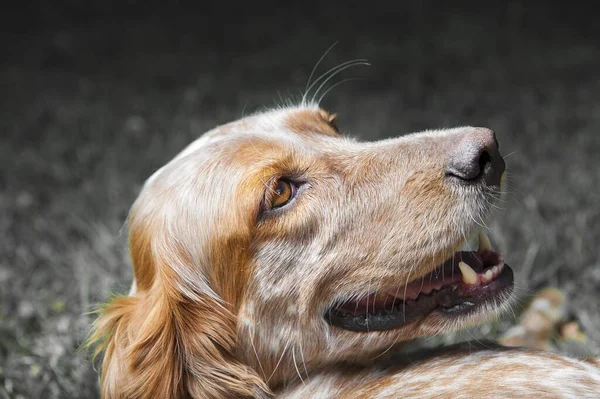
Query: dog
x=275, y=257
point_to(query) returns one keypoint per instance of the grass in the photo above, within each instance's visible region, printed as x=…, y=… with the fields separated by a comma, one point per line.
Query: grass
x=91, y=110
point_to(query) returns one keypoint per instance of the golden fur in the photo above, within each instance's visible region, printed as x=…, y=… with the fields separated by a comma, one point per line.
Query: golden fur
x=227, y=302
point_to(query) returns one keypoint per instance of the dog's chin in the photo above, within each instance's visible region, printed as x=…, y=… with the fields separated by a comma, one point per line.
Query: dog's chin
x=466, y=286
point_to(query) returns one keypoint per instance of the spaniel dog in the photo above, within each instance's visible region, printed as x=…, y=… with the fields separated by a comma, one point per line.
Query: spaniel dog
x=274, y=257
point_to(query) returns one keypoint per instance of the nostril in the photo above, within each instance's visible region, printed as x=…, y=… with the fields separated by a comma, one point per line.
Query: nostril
x=474, y=159
x=471, y=162
x=485, y=160
x=464, y=172
x=468, y=166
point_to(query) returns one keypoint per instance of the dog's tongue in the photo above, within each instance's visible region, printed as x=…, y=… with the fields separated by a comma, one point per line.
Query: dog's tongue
x=434, y=281
x=387, y=301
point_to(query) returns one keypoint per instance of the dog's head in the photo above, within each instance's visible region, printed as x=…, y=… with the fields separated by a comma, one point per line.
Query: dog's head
x=274, y=244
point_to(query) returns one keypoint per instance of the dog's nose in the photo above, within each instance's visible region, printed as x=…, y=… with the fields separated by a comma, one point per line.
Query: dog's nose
x=475, y=158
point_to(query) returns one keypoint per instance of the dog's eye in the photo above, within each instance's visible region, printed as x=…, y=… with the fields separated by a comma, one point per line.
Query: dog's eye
x=282, y=193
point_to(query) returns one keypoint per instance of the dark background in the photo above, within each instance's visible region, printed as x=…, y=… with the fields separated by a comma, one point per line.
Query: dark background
x=95, y=97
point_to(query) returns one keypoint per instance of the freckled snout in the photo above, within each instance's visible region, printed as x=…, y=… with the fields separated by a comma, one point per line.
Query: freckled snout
x=475, y=159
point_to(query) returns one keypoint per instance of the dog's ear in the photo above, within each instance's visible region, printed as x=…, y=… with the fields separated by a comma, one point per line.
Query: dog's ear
x=169, y=339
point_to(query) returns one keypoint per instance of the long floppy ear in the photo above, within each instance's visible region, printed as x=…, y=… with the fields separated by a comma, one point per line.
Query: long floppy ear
x=168, y=340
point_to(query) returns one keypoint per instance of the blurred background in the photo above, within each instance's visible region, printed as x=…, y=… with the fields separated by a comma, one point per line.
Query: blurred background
x=95, y=96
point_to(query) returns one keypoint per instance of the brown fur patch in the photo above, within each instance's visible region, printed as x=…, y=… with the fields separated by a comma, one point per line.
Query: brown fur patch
x=162, y=343
x=308, y=121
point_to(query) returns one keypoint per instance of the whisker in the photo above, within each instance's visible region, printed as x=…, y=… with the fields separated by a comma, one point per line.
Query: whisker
x=369, y=290
x=385, y=351
x=256, y=353
x=307, y=88
x=296, y=365
x=279, y=361
x=331, y=70
x=334, y=86
x=303, y=361
x=335, y=72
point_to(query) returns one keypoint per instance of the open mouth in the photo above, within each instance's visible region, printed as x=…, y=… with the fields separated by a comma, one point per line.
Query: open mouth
x=462, y=285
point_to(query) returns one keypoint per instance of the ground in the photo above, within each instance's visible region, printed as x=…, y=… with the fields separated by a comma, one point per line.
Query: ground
x=91, y=104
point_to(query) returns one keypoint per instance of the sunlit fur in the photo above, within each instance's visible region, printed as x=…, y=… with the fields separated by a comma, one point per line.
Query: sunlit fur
x=228, y=299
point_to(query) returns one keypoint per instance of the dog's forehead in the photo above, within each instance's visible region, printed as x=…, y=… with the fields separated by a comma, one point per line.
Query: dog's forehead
x=277, y=124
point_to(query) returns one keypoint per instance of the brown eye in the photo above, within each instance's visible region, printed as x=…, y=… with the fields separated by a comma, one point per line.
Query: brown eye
x=283, y=192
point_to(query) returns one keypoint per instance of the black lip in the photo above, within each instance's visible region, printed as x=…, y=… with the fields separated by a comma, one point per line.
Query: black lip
x=450, y=301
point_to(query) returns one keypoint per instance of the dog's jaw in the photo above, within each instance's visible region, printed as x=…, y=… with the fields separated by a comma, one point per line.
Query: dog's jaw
x=468, y=283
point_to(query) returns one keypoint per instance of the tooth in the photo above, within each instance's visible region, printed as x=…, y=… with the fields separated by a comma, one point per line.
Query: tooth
x=488, y=276
x=484, y=243
x=469, y=276
x=470, y=243
x=465, y=247
x=495, y=270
